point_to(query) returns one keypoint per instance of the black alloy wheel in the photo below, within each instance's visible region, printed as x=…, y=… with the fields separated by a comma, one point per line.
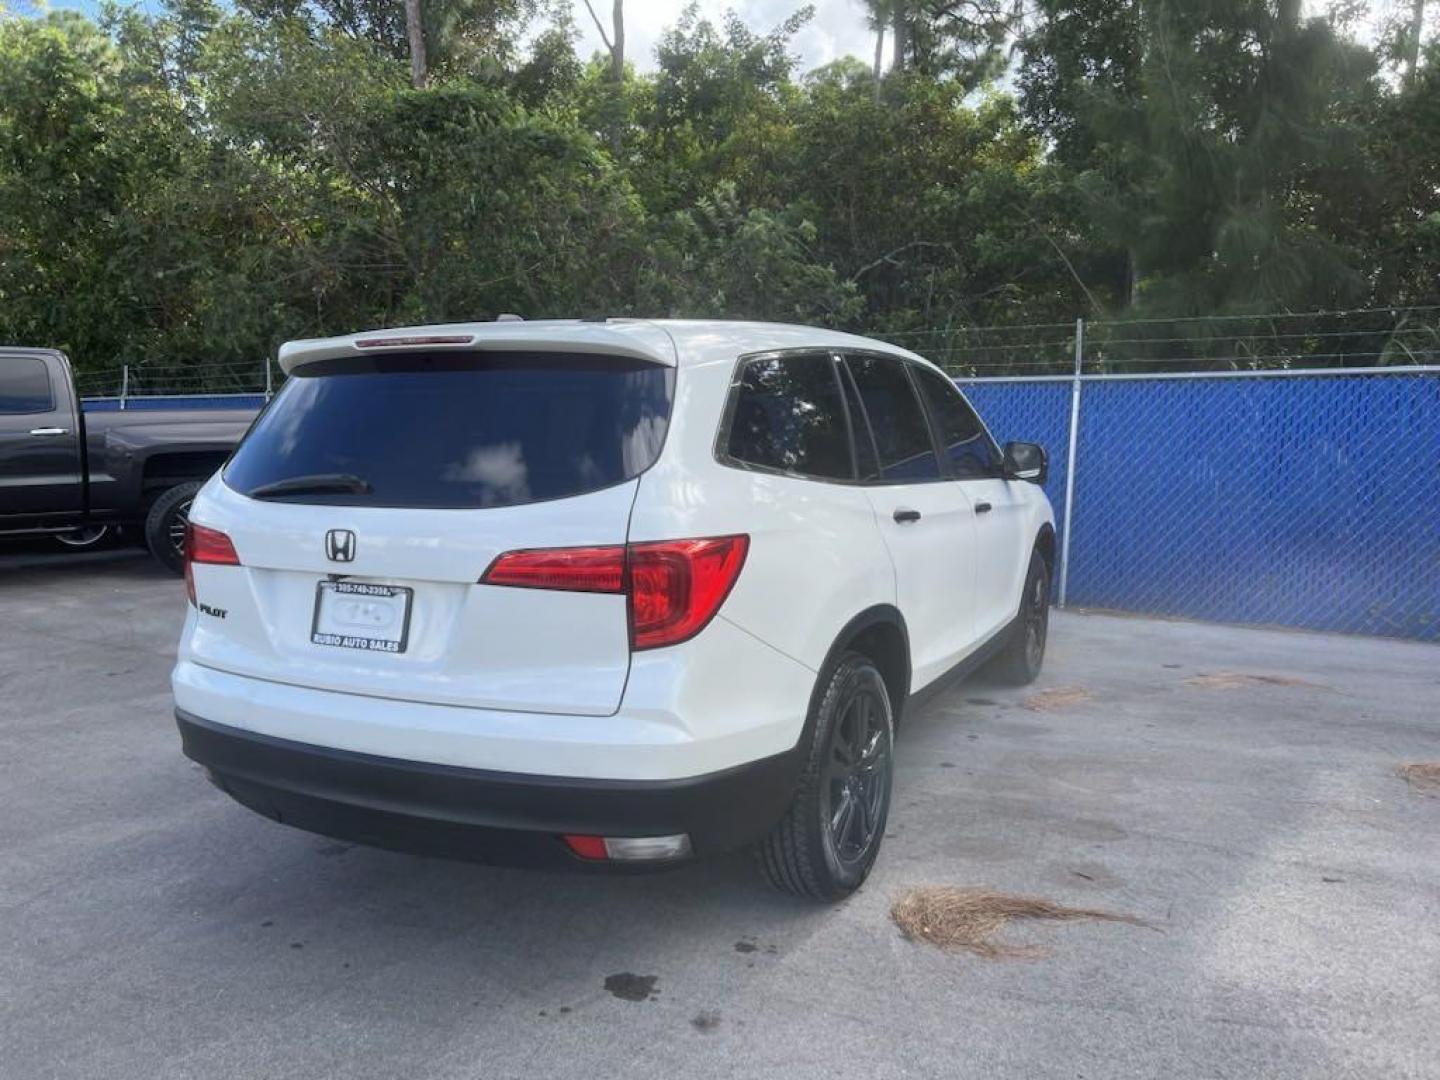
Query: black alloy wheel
x=828, y=839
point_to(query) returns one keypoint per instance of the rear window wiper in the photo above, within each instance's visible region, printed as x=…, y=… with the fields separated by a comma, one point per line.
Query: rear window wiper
x=315, y=484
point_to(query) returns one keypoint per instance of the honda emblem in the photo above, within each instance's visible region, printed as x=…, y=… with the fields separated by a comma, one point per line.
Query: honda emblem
x=340, y=545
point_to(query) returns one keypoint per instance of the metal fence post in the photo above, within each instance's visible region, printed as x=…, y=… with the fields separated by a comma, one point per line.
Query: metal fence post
x=124, y=384
x=268, y=390
x=1070, y=459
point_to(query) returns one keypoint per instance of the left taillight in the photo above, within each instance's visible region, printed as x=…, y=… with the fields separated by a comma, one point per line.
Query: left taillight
x=205, y=545
x=674, y=587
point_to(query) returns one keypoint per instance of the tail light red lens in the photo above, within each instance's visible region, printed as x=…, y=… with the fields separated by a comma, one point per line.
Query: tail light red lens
x=675, y=586
x=581, y=569
x=205, y=545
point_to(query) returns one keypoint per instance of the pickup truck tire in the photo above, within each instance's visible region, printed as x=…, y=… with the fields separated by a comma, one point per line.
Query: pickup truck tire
x=1019, y=662
x=86, y=536
x=165, y=525
x=824, y=846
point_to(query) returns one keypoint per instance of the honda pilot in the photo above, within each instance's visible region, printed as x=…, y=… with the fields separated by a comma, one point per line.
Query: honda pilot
x=602, y=594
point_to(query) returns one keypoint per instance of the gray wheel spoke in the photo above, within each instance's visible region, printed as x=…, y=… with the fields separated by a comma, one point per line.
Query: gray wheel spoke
x=871, y=754
x=861, y=818
x=844, y=812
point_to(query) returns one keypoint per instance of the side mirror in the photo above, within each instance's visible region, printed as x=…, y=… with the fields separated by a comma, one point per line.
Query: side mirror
x=1026, y=461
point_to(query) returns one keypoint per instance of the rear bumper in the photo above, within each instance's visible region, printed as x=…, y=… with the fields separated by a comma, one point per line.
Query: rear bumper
x=480, y=815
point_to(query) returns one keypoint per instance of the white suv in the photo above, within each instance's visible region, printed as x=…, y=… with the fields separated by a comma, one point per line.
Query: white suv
x=607, y=593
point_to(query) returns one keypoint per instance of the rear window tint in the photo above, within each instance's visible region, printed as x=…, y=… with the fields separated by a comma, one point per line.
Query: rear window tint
x=459, y=430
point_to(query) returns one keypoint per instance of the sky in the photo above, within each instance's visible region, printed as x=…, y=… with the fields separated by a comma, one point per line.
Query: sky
x=838, y=28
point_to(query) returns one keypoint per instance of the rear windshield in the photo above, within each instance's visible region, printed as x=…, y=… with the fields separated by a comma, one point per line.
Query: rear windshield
x=456, y=430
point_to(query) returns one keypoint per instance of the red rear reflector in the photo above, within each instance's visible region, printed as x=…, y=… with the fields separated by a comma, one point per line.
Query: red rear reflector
x=676, y=586
x=581, y=569
x=587, y=847
x=204, y=545
x=421, y=339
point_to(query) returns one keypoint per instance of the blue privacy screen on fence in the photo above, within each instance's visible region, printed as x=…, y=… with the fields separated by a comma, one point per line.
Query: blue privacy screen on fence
x=1308, y=501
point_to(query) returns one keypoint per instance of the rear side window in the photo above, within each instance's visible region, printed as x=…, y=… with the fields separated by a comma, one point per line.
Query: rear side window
x=902, y=436
x=456, y=430
x=787, y=414
x=962, y=437
x=25, y=386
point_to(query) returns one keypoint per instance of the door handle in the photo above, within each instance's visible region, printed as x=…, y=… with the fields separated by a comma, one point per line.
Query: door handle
x=983, y=508
x=48, y=431
x=906, y=516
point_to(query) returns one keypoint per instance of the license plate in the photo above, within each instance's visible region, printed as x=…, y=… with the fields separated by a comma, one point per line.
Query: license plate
x=355, y=615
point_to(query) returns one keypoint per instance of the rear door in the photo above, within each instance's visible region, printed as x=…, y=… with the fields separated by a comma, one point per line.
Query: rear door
x=371, y=497
x=973, y=460
x=926, y=521
x=40, y=467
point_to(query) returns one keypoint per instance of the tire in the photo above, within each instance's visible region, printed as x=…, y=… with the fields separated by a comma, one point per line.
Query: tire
x=165, y=525
x=1020, y=661
x=820, y=850
x=86, y=536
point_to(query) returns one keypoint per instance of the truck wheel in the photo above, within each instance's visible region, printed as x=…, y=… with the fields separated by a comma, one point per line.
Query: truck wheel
x=824, y=846
x=1019, y=662
x=165, y=525
x=87, y=536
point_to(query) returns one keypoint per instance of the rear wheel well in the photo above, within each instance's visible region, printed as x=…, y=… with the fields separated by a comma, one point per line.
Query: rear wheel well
x=884, y=644
x=164, y=471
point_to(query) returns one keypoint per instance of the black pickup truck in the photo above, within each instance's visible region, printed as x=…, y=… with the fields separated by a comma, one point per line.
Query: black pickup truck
x=76, y=474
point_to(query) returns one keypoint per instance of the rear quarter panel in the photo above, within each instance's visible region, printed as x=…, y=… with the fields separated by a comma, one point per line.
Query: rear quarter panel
x=816, y=558
x=120, y=445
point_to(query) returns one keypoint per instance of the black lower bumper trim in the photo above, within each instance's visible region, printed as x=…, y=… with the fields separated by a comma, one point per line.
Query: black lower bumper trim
x=476, y=814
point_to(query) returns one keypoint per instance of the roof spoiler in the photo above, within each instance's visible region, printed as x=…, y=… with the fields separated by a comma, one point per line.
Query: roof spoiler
x=637, y=340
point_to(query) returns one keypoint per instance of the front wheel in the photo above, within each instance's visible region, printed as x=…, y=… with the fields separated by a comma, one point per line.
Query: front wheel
x=165, y=525
x=1019, y=662
x=824, y=846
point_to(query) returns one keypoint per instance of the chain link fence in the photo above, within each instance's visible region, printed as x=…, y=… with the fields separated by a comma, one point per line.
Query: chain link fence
x=1376, y=337
x=141, y=386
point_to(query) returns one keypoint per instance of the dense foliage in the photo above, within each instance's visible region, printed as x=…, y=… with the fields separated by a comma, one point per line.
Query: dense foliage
x=198, y=186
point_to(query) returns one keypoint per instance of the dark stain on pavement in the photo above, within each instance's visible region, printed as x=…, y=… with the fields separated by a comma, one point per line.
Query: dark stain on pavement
x=630, y=987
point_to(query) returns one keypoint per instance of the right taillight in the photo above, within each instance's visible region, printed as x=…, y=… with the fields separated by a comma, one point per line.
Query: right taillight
x=205, y=545
x=675, y=587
